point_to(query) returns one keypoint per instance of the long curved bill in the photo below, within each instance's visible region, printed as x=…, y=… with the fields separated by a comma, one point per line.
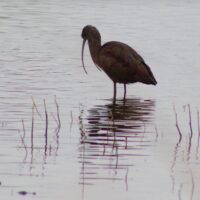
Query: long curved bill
x=82, y=55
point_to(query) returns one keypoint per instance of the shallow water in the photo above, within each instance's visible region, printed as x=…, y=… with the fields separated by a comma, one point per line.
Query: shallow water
x=86, y=147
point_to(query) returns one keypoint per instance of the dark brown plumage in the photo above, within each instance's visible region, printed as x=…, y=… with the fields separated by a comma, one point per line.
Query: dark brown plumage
x=118, y=60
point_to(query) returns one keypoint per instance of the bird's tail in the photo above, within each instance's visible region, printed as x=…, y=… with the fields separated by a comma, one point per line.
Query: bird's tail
x=152, y=78
x=149, y=78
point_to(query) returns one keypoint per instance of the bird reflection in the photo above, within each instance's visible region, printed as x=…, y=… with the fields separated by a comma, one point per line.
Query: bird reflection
x=112, y=135
x=122, y=119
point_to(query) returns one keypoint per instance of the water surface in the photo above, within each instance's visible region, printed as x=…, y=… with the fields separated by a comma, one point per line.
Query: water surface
x=84, y=146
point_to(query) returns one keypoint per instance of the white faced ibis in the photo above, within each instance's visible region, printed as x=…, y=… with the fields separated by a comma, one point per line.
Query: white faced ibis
x=118, y=60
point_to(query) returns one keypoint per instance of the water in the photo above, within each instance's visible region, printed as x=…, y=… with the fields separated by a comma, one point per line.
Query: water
x=88, y=148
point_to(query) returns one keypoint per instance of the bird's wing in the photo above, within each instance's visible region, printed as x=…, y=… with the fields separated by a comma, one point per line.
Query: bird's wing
x=117, y=52
x=114, y=54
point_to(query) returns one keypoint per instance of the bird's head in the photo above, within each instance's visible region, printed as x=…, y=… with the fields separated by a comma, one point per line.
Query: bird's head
x=89, y=33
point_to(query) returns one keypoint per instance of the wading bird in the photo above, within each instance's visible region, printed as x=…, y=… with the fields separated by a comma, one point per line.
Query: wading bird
x=118, y=60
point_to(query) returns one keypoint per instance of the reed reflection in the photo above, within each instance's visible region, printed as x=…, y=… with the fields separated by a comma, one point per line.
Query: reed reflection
x=114, y=137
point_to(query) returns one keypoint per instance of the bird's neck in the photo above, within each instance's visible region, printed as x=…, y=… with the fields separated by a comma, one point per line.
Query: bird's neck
x=94, y=46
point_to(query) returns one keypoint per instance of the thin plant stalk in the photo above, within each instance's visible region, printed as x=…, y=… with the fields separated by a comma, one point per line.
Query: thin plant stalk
x=32, y=127
x=35, y=106
x=190, y=120
x=46, y=127
x=58, y=113
x=177, y=126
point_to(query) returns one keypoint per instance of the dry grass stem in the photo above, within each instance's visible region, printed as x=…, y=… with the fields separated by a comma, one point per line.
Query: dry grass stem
x=32, y=126
x=24, y=131
x=198, y=123
x=177, y=126
x=190, y=120
x=46, y=120
x=58, y=113
x=22, y=140
x=35, y=106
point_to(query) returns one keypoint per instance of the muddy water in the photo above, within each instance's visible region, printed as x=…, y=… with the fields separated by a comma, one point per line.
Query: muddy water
x=62, y=137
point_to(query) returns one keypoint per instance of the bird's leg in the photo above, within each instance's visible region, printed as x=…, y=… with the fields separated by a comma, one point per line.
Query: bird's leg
x=124, y=90
x=115, y=90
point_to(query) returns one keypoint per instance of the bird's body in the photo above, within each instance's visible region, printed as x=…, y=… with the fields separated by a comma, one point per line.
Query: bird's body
x=118, y=60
